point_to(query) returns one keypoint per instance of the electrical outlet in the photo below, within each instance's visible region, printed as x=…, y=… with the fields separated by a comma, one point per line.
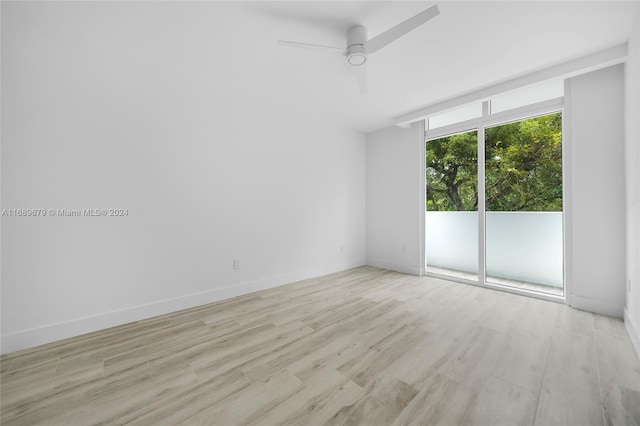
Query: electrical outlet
x=236, y=263
x=341, y=248
x=404, y=249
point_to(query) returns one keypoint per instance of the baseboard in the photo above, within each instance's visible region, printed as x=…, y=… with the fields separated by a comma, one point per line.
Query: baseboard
x=633, y=333
x=53, y=332
x=405, y=269
x=597, y=306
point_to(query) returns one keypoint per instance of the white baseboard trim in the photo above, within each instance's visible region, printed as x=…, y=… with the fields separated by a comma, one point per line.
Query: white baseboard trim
x=405, y=269
x=633, y=333
x=597, y=306
x=53, y=332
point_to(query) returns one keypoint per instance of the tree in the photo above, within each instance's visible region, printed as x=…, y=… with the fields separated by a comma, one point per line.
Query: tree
x=523, y=168
x=452, y=172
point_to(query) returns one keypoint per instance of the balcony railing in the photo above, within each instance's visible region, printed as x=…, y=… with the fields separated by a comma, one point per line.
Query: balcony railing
x=521, y=247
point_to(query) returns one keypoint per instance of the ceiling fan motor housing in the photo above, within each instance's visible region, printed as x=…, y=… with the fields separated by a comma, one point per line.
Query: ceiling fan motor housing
x=356, y=38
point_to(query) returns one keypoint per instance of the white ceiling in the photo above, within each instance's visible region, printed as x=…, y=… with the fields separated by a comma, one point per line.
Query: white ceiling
x=231, y=47
x=470, y=45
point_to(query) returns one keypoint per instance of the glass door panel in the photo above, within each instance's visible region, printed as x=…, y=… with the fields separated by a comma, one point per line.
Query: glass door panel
x=523, y=219
x=452, y=205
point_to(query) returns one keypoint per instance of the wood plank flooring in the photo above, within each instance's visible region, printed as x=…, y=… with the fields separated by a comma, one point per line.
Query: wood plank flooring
x=365, y=346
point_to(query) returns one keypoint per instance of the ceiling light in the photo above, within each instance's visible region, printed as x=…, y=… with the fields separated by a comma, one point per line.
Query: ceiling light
x=357, y=59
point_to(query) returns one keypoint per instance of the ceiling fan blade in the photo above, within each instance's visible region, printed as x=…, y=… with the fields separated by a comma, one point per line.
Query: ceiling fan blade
x=361, y=78
x=321, y=47
x=392, y=34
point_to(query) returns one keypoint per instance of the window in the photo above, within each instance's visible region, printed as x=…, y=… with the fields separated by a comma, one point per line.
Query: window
x=523, y=204
x=452, y=205
x=509, y=101
x=457, y=115
x=527, y=95
x=494, y=192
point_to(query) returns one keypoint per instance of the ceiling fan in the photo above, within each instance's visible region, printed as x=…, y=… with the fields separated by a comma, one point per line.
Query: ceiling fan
x=358, y=47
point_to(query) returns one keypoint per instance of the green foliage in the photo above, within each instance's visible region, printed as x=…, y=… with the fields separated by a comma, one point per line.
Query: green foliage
x=452, y=172
x=523, y=168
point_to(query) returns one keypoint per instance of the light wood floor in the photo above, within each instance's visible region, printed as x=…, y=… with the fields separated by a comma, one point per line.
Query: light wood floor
x=365, y=346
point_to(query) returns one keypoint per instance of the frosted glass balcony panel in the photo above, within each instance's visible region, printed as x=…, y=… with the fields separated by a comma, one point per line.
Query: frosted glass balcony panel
x=525, y=246
x=522, y=247
x=452, y=241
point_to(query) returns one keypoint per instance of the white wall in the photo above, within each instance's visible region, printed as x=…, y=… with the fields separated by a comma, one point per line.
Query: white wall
x=595, y=117
x=394, y=198
x=632, y=157
x=98, y=112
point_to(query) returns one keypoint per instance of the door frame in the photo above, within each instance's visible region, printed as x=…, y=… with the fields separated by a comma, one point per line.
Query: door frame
x=479, y=124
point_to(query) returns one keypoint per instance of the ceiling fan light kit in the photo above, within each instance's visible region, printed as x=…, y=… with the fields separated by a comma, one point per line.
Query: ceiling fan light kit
x=356, y=55
x=358, y=46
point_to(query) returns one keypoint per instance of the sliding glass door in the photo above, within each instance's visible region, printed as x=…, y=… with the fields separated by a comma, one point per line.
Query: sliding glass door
x=494, y=198
x=523, y=204
x=452, y=205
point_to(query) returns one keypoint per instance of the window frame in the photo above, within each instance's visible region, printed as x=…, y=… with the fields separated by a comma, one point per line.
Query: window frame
x=480, y=124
